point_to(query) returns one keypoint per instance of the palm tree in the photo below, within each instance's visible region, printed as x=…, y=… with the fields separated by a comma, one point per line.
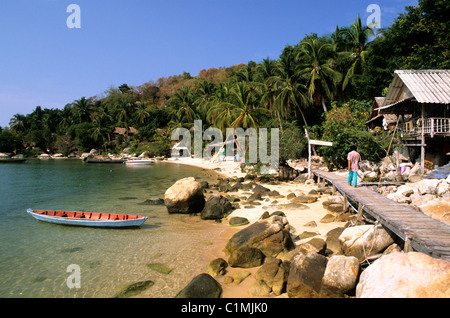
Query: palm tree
x=288, y=89
x=266, y=69
x=66, y=118
x=124, y=110
x=357, y=36
x=182, y=105
x=142, y=112
x=17, y=122
x=219, y=110
x=317, y=67
x=244, y=110
x=98, y=131
x=220, y=115
x=102, y=118
x=82, y=109
x=204, y=93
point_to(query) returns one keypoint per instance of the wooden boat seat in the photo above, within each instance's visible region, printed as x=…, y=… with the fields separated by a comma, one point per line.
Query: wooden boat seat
x=95, y=216
x=105, y=216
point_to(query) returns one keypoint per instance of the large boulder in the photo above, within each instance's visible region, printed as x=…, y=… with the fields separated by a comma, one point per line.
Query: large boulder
x=201, y=286
x=216, y=207
x=305, y=275
x=185, y=196
x=340, y=275
x=246, y=257
x=217, y=267
x=442, y=188
x=271, y=277
x=405, y=275
x=315, y=245
x=427, y=186
x=364, y=240
x=270, y=235
x=332, y=240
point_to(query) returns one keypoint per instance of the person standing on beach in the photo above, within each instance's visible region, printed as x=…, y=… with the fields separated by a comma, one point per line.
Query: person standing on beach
x=353, y=159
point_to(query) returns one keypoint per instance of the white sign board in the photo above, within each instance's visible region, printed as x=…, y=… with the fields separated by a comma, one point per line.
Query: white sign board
x=314, y=142
x=320, y=143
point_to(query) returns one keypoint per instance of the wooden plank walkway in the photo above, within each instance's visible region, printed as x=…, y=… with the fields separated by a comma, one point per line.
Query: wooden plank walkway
x=419, y=231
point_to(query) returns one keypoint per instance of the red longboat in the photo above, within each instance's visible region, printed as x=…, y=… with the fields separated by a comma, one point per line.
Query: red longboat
x=93, y=219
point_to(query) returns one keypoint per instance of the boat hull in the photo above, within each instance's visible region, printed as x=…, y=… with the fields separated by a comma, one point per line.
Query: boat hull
x=90, y=219
x=139, y=162
x=104, y=161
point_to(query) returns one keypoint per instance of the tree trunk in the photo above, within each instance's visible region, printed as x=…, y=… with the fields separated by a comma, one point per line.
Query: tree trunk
x=323, y=105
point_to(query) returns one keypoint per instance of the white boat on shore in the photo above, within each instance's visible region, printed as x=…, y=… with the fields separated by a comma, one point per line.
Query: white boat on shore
x=138, y=162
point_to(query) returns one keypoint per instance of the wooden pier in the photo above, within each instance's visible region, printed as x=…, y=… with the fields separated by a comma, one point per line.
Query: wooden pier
x=420, y=232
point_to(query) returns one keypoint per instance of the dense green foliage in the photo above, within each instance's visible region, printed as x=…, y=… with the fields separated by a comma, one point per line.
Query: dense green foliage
x=325, y=84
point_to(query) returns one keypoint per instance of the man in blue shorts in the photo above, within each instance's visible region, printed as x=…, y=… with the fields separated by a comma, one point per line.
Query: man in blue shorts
x=353, y=159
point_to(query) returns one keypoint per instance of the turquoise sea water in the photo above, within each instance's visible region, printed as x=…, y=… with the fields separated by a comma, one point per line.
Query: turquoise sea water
x=34, y=255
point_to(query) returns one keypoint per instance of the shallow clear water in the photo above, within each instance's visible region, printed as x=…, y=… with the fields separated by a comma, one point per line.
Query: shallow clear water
x=34, y=255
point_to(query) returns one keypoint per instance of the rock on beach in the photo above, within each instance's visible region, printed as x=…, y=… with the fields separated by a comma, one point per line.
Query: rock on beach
x=201, y=286
x=216, y=207
x=364, y=240
x=270, y=235
x=185, y=196
x=405, y=275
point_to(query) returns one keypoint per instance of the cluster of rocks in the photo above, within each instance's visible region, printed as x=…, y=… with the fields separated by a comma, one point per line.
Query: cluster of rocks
x=430, y=196
x=7, y=155
x=334, y=266
x=312, y=270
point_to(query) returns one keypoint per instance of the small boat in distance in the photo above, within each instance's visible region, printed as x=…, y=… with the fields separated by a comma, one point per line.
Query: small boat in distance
x=92, y=219
x=136, y=162
x=106, y=160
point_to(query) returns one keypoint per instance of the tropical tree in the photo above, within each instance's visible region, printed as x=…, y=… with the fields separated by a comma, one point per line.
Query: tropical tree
x=289, y=91
x=357, y=38
x=317, y=66
x=265, y=71
x=203, y=95
x=182, y=105
x=142, y=112
x=245, y=112
x=82, y=109
x=17, y=122
x=99, y=131
x=124, y=110
x=66, y=118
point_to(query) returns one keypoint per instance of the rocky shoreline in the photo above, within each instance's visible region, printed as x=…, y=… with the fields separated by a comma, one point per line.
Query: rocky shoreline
x=293, y=239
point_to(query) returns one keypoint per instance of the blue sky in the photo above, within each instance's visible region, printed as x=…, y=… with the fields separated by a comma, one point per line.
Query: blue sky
x=43, y=62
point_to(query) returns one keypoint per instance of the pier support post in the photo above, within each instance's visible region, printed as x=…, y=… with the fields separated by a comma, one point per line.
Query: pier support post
x=407, y=248
x=359, y=215
x=345, y=207
x=334, y=189
x=422, y=148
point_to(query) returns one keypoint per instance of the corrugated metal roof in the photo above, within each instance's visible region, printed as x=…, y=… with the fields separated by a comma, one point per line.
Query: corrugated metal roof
x=426, y=86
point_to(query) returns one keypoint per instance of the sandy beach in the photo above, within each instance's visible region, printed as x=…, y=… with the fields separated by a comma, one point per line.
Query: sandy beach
x=299, y=220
